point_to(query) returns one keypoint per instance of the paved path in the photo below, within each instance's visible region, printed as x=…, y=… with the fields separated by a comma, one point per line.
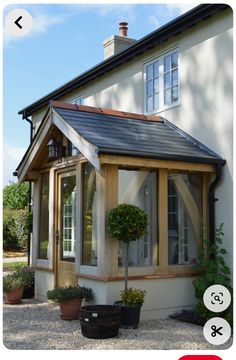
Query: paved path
x=15, y=259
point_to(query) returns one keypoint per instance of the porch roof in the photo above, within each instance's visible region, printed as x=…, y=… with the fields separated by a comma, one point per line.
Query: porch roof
x=119, y=133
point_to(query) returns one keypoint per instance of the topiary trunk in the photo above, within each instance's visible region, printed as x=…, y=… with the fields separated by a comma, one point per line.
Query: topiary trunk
x=126, y=265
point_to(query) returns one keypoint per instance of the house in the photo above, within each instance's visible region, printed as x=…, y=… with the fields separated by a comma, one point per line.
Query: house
x=150, y=125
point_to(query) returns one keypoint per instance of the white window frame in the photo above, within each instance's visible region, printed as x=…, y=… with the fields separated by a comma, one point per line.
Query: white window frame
x=67, y=253
x=162, y=106
x=78, y=100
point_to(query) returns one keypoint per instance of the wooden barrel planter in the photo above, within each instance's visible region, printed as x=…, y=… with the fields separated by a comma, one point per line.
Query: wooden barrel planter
x=100, y=321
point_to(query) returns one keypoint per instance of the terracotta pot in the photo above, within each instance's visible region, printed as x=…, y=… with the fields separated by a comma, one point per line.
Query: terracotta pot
x=70, y=309
x=14, y=296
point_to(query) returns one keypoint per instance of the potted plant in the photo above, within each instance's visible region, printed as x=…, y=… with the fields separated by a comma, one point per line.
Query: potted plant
x=29, y=273
x=128, y=223
x=13, y=286
x=70, y=299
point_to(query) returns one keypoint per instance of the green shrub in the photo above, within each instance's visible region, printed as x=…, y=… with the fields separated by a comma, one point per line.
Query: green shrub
x=212, y=270
x=10, y=239
x=16, y=196
x=14, y=281
x=62, y=294
x=133, y=296
x=27, y=272
x=16, y=227
x=127, y=223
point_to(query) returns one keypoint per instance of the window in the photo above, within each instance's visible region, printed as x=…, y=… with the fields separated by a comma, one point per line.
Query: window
x=162, y=83
x=78, y=101
x=72, y=150
x=184, y=217
x=139, y=188
x=89, y=245
x=44, y=217
x=68, y=216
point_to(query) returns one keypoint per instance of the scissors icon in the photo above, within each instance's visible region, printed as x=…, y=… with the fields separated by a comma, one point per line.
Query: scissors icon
x=216, y=331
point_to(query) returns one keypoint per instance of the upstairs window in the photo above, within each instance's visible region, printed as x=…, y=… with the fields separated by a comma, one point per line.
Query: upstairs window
x=162, y=83
x=78, y=101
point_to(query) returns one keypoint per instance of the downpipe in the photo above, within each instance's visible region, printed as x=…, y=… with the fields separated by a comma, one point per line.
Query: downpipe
x=212, y=201
x=30, y=189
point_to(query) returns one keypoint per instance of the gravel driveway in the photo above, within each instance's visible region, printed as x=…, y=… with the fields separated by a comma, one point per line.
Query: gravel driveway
x=37, y=326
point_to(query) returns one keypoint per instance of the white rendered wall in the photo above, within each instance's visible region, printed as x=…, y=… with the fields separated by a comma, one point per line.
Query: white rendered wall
x=163, y=296
x=44, y=281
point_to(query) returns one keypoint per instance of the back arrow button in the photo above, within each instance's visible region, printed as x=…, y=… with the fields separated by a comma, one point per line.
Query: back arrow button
x=17, y=22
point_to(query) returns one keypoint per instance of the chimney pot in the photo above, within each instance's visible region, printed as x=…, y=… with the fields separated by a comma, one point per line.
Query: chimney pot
x=123, y=28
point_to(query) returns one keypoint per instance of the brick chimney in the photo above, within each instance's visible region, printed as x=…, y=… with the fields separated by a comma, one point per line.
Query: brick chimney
x=116, y=43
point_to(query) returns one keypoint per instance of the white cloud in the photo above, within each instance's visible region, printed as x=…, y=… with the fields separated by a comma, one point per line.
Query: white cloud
x=12, y=156
x=154, y=21
x=42, y=22
x=167, y=12
x=180, y=8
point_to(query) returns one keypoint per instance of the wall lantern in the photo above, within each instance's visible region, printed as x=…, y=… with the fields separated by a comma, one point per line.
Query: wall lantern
x=56, y=150
x=52, y=149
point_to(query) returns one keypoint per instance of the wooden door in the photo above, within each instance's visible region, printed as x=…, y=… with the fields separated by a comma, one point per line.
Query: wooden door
x=66, y=229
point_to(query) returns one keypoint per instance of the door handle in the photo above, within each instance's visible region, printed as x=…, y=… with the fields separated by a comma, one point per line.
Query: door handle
x=57, y=237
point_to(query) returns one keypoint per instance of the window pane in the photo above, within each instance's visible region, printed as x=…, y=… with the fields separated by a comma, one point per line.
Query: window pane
x=149, y=103
x=174, y=94
x=184, y=217
x=150, y=88
x=149, y=72
x=156, y=101
x=167, y=80
x=174, y=77
x=89, y=246
x=68, y=215
x=167, y=97
x=156, y=85
x=44, y=217
x=167, y=63
x=139, y=188
x=156, y=69
x=174, y=60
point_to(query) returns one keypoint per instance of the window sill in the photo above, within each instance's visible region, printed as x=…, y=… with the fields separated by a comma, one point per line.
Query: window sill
x=166, y=108
x=136, y=277
x=44, y=265
x=42, y=268
x=86, y=270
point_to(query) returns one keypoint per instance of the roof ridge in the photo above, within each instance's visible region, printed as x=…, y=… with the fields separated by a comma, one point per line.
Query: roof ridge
x=105, y=111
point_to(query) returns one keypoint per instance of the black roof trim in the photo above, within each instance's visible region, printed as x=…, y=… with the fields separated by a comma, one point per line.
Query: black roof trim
x=158, y=36
x=192, y=159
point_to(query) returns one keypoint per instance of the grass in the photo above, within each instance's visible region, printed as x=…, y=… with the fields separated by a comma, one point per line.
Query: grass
x=11, y=266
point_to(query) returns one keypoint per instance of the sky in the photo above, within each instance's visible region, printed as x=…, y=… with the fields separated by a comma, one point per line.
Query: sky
x=66, y=40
